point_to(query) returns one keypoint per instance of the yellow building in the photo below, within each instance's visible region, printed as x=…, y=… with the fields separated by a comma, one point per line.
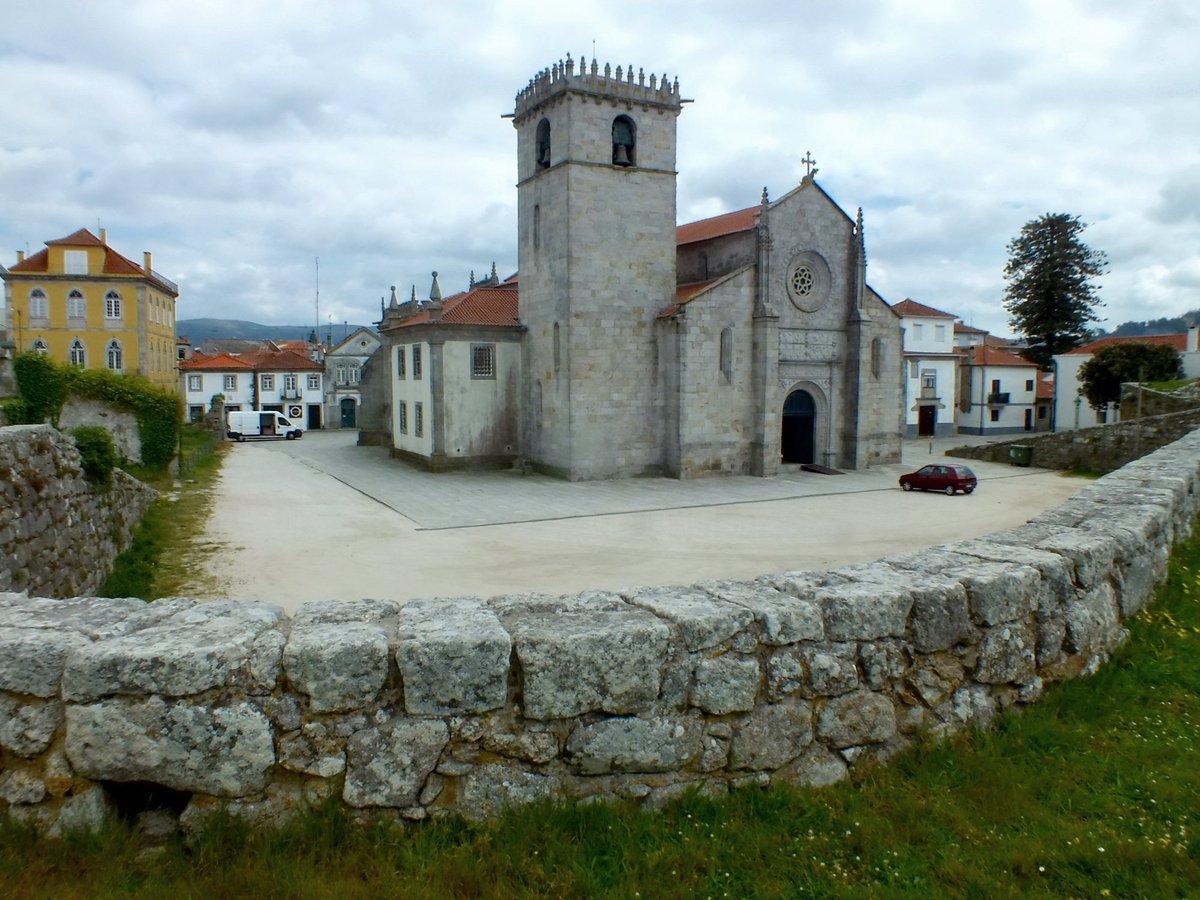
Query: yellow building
x=83, y=303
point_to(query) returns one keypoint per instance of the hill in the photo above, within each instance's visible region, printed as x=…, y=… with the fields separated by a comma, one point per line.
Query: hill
x=200, y=330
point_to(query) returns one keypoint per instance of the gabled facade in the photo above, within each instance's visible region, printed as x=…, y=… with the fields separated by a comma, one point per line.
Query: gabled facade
x=1071, y=408
x=343, y=371
x=930, y=370
x=997, y=392
x=83, y=303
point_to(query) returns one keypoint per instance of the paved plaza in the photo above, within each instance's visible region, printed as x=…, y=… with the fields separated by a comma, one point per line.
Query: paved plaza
x=321, y=518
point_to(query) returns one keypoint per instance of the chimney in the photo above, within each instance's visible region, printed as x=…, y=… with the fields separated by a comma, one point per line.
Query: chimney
x=20, y=256
x=104, y=235
x=146, y=261
x=1193, y=339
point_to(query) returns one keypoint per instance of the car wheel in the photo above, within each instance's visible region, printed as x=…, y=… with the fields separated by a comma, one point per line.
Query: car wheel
x=906, y=485
x=291, y=435
x=968, y=490
x=949, y=490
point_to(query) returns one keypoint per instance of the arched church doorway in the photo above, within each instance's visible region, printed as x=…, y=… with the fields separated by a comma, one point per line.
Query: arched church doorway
x=799, y=427
x=349, y=407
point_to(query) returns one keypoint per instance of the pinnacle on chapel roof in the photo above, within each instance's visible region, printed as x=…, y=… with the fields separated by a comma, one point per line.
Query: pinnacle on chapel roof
x=435, y=290
x=395, y=303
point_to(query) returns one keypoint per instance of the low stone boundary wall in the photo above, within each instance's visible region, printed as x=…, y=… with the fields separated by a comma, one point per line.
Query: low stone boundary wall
x=59, y=533
x=461, y=705
x=1102, y=448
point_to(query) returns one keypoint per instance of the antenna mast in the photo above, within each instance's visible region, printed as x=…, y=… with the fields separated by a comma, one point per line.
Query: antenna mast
x=317, y=267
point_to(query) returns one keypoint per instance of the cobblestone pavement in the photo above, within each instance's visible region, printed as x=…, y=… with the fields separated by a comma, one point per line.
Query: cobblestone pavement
x=321, y=518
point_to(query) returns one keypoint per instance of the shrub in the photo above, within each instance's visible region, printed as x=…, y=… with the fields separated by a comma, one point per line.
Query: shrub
x=12, y=411
x=99, y=455
x=42, y=384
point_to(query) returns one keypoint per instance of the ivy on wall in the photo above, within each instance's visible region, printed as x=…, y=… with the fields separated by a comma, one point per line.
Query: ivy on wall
x=44, y=386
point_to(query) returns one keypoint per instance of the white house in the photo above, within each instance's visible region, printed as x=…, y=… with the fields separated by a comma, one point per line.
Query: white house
x=930, y=369
x=1072, y=410
x=997, y=392
x=343, y=371
x=284, y=381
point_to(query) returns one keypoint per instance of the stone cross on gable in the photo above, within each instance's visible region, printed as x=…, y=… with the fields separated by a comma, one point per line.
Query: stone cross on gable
x=810, y=164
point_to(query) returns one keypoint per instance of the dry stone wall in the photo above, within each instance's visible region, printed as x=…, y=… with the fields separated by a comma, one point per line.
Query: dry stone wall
x=461, y=705
x=59, y=533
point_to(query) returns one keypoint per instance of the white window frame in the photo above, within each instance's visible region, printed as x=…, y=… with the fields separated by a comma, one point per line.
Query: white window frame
x=314, y=382
x=39, y=305
x=289, y=383
x=267, y=382
x=195, y=383
x=76, y=304
x=112, y=306
x=77, y=354
x=231, y=382
x=75, y=262
x=114, y=356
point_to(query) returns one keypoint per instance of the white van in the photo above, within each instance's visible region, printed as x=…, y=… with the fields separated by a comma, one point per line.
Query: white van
x=260, y=424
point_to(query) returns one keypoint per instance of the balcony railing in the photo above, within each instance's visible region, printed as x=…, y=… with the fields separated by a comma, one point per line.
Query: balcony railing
x=998, y=399
x=294, y=394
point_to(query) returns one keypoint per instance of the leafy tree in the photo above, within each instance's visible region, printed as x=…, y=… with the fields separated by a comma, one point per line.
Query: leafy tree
x=1050, y=297
x=1101, y=376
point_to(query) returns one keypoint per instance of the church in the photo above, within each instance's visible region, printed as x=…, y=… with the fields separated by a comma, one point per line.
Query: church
x=628, y=345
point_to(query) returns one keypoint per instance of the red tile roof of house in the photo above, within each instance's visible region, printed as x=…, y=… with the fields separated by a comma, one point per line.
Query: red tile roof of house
x=983, y=355
x=718, y=226
x=1178, y=341
x=216, y=362
x=684, y=293
x=1045, y=386
x=495, y=305
x=963, y=328
x=280, y=361
x=114, y=262
x=908, y=307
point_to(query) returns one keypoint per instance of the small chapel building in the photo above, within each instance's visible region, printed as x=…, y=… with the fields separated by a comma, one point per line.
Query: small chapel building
x=631, y=346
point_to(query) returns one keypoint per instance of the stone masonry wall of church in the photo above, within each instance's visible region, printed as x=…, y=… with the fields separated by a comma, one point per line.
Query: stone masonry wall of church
x=443, y=706
x=881, y=421
x=716, y=414
x=59, y=532
x=603, y=267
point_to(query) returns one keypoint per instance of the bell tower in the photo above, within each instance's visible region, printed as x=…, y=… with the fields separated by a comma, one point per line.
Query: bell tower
x=596, y=249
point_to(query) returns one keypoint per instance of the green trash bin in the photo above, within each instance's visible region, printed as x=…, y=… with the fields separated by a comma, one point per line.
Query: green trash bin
x=1020, y=454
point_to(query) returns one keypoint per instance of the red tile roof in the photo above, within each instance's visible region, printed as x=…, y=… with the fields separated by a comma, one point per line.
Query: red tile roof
x=718, y=226
x=1178, y=341
x=983, y=355
x=214, y=363
x=908, y=307
x=280, y=361
x=1045, y=386
x=481, y=306
x=684, y=293
x=114, y=262
x=962, y=328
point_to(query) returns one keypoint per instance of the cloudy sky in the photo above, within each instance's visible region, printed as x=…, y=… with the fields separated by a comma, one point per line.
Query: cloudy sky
x=241, y=141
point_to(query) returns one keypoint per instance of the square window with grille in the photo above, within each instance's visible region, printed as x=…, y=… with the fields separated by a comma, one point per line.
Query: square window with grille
x=231, y=382
x=483, y=360
x=268, y=382
x=314, y=382
x=418, y=419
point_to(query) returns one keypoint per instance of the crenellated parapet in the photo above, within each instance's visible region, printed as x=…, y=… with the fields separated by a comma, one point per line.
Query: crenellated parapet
x=601, y=81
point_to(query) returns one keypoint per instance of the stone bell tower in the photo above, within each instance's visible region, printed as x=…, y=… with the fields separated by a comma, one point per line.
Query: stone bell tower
x=596, y=225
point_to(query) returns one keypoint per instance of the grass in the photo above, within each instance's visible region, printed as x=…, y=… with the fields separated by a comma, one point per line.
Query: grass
x=1092, y=792
x=163, y=555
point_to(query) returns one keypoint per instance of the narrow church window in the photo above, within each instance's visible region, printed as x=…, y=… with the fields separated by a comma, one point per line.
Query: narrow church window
x=537, y=403
x=727, y=353
x=400, y=352
x=876, y=356
x=416, y=362
x=557, y=350
x=542, y=144
x=483, y=361
x=537, y=226
x=402, y=417
x=624, y=143
x=418, y=419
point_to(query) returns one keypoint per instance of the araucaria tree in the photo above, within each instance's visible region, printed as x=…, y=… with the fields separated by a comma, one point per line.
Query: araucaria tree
x=1101, y=376
x=1050, y=296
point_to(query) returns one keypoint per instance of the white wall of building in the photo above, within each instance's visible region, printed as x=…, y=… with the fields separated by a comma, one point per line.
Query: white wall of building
x=1018, y=414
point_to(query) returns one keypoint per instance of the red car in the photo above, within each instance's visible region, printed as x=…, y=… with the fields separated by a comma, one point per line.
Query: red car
x=940, y=478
